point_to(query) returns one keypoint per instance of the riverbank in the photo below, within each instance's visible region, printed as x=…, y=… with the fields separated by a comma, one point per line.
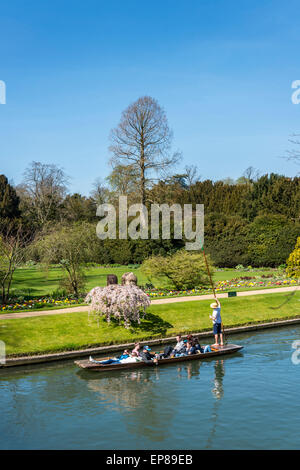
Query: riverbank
x=75, y=332
x=44, y=358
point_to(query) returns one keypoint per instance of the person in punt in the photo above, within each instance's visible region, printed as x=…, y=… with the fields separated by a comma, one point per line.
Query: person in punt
x=190, y=348
x=124, y=358
x=147, y=357
x=170, y=351
x=199, y=348
x=217, y=322
x=136, y=350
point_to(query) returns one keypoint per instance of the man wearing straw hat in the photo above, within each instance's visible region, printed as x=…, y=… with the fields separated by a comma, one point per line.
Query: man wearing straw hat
x=217, y=322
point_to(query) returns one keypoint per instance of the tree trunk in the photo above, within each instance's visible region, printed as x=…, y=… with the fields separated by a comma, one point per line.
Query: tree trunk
x=142, y=164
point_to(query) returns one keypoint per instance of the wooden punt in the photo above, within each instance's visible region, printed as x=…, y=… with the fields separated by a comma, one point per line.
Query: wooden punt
x=221, y=351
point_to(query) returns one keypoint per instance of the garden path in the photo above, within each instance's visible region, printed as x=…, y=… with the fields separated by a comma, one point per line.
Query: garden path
x=10, y=316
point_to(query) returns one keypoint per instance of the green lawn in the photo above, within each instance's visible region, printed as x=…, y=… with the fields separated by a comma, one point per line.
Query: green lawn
x=74, y=330
x=44, y=283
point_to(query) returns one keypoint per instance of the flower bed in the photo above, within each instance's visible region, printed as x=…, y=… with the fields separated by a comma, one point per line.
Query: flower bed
x=224, y=286
x=36, y=304
x=221, y=286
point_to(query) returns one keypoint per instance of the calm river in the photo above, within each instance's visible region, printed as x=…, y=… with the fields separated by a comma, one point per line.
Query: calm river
x=245, y=401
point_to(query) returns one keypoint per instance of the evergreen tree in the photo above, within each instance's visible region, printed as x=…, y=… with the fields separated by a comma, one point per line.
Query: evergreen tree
x=9, y=201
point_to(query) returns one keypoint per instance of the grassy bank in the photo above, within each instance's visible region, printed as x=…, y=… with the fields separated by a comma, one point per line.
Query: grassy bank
x=75, y=331
x=38, y=282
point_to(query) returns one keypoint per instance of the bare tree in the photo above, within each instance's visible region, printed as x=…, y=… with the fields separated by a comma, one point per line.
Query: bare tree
x=250, y=175
x=43, y=189
x=12, y=254
x=100, y=192
x=192, y=175
x=143, y=141
x=294, y=154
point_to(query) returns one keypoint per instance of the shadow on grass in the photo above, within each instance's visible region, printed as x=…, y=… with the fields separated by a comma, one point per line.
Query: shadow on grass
x=151, y=323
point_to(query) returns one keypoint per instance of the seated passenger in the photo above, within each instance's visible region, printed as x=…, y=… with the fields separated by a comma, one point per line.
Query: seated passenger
x=136, y=350
x=198, y=345
x=146, y=356
x=125, y=354
x=124, y=358
x=178, y=348
x=190, y=348
x=113, y=360
x=180, y=345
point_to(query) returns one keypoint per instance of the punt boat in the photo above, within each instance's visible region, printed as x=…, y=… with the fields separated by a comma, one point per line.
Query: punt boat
x=215, y=352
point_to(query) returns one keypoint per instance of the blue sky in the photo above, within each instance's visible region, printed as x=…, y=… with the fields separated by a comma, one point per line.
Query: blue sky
x=221, y=69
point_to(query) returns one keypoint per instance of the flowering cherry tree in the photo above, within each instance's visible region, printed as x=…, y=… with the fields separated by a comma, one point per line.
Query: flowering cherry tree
x=127, y=303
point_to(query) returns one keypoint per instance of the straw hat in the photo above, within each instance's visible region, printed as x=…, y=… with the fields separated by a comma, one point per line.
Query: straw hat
x=214, y=305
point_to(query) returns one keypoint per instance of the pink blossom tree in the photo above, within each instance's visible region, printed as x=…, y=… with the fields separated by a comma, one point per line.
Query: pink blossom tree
x=127, y=303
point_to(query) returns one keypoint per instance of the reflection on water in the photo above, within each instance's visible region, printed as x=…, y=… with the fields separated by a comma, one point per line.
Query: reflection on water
x=190, y=405
x=144, y=392
x=218, y=393
x=219, y=367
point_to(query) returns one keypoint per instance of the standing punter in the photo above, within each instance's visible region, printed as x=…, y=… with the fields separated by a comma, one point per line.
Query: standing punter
x=217, y=322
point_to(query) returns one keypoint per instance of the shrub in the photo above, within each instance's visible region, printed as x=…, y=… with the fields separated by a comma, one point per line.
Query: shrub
x=240, y=267
x=181, y=270
x=293, y=262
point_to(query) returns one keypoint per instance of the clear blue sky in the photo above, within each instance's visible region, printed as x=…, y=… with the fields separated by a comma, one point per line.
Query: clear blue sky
x=221, y=69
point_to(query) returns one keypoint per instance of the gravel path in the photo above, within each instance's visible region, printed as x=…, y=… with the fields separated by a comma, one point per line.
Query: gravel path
x=276, y=290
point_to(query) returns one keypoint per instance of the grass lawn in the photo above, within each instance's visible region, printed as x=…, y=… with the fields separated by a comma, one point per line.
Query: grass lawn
x=74, y=330
x=41, y=283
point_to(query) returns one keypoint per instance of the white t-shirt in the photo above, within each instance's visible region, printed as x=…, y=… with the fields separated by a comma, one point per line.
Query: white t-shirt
x=179, y=345
x=216, y=315
x=129, y=359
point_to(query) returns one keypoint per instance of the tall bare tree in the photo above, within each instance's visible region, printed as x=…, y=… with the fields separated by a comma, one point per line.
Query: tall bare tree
x=143, y=141
x=43, y=189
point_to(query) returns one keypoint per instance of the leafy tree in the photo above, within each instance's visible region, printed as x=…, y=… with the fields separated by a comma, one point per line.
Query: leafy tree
x=226, y=239
x=293, y=261
x=69, y=246
x=123, y=181
x=77, y=208
x=181, y=270
x=271, y=239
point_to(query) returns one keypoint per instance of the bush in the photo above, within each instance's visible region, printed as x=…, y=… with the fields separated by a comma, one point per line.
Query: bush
x=58, y=294
x=271, y=239
x=182, y=270
x=240, y=267
x=293, y=262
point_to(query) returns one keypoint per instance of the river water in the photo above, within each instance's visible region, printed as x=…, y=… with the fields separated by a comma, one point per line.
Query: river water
x=249, y=400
